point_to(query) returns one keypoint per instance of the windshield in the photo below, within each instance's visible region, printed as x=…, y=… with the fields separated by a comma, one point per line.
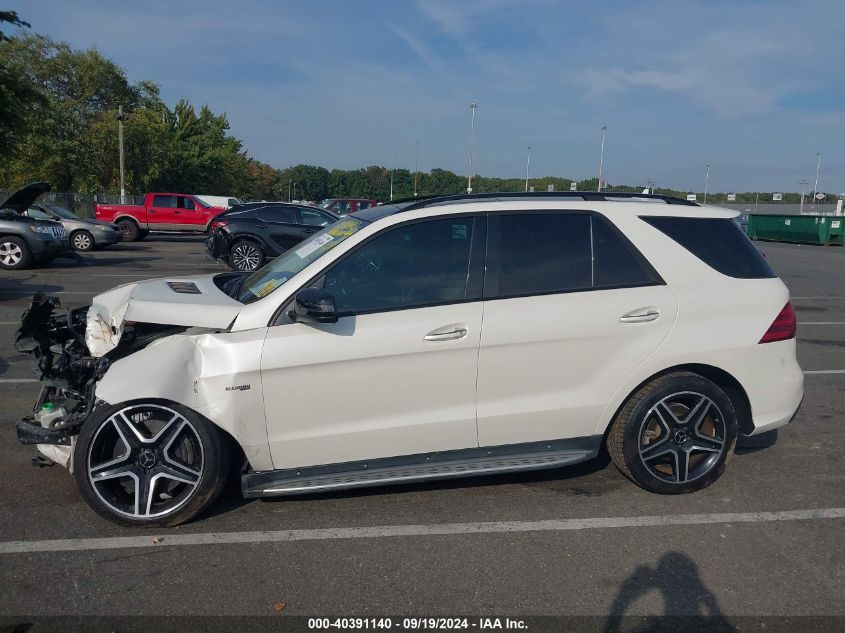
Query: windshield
x=202, y=203
x=62, y=212
x=265, y=280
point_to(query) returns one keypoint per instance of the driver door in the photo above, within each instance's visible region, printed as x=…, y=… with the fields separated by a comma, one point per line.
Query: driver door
x=396, y=374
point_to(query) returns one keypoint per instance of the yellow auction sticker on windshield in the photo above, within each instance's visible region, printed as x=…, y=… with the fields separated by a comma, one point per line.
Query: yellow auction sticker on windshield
x=344, y=228
x=268, y=287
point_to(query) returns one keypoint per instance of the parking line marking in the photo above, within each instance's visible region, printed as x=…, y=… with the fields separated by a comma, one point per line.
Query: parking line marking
x=821, y=322
x=393, y=531
x=17, y=380
x=825, y=371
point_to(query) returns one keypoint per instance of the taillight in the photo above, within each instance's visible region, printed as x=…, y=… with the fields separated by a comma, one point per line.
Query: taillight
x=216, y=224
x=783, y=327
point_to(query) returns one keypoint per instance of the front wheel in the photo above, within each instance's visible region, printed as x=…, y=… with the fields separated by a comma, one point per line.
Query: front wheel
x=14, y=253
x=674, y=435
x=150, y=463
x=82, y=240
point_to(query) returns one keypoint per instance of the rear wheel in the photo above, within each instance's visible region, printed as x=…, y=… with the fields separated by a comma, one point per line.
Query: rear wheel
x=150, y=463
x=14, y=253
x=674, y=435
x=130, y=230
x=82, y=240
x=246, y=256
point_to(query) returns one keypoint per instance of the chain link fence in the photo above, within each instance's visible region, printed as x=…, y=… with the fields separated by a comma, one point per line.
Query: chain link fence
x=82, y=204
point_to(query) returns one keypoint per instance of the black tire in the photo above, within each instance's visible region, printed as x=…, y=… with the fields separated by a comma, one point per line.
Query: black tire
x=180, y=466
x=14, y=253
x=675, y=435
x=82, y=240
x=130, y=230
x=246, y=256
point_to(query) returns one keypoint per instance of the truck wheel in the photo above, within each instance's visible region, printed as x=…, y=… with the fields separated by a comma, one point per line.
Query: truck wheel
x=14, y=253
x=246, y=256
x=674, y=435
x=130, y=230
x=82, y=240
x=150, y=463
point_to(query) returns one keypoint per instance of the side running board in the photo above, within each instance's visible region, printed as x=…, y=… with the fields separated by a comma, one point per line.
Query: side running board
x=423, y=467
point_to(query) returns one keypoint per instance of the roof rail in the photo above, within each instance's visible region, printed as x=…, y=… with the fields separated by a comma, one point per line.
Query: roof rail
x=590, y=196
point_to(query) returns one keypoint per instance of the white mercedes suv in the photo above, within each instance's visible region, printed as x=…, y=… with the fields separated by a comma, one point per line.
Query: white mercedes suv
x=436, y=338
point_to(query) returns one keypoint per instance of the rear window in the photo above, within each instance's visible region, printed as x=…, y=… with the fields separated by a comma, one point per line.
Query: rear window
x=718, y=242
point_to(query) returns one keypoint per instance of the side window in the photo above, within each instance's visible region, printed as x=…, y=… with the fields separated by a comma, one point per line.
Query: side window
x=340, y=207
x=538, y=253
x=278, y=214
x=38, y=214
x=413, y=265
x=616, y=263
x=186, y=203
x=718, y=242
x=163, y=201
x=364, y=204
x=312, y=217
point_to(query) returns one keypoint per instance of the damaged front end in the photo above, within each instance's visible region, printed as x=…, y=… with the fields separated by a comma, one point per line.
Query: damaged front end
x=69, y=371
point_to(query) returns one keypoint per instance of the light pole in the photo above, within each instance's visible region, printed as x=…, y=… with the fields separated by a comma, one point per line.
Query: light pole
x=120, y=119
x=527, y=167
x=416, y=165
x=816, y=186
x=601, y=156
x=472, y=108
x=706, y=182
x=803, y=184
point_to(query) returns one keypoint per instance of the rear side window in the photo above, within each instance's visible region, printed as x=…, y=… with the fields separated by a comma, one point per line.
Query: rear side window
x=617, y=264
x=163, y=201
x=718, y=242
x=278, y=214
x=538, y=254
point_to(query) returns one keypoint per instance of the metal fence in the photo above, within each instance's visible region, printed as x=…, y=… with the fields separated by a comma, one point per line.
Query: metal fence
x=82, y=204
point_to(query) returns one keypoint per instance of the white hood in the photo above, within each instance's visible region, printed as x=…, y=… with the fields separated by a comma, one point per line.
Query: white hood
x=188, y=301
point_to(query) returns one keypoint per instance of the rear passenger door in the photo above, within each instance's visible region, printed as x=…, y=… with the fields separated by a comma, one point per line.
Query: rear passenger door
x=571, y=309
x=160, y=213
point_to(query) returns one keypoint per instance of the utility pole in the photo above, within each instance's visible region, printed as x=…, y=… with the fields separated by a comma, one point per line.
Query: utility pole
x=120, y=119
x=416, y=165
x=803, y=184
x=601, y=156
x=816, y=186
x=756, y=200
x=527, y=167
x=706, y=182
x=290, y=198
x=472, y=107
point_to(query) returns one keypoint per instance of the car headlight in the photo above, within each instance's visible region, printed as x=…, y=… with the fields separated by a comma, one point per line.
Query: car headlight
x=41, y=228
x=102, y=228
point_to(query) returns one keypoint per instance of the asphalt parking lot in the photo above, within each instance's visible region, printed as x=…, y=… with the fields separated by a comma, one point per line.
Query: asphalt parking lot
x=764, y=540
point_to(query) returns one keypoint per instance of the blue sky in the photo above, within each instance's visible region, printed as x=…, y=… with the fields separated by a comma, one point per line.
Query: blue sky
x=754, y=88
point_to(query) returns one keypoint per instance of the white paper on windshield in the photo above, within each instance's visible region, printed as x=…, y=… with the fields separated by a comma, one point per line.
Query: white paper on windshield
x=309, y=248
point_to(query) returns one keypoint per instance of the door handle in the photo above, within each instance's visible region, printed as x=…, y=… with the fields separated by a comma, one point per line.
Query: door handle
x=640, y=316
x=446, y=336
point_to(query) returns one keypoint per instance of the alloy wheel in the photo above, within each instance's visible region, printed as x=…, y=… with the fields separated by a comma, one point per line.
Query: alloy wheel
x=245, y=257
x=682, y=437
x=10, y=253
x=81, y=242
x=145, y=461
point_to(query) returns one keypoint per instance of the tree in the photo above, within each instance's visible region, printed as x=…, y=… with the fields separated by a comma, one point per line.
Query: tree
x=17, y=95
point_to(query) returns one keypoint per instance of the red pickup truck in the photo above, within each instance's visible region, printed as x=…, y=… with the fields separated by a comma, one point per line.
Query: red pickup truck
x=160, y=212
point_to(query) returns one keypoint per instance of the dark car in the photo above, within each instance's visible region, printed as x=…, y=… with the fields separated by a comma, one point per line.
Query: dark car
x=344, y=206
x=85, y=233
x=24, y=240
x=247, y=235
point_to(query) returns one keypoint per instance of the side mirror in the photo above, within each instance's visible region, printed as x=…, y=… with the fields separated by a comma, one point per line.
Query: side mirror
x=313, y=305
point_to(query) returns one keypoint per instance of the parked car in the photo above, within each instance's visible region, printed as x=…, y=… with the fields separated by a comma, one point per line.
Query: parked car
x=438, y=338
x=246, y=236
x=226, y=202
x=85, y=234
x=345, y=206
x=160, y=212
x=25, y=241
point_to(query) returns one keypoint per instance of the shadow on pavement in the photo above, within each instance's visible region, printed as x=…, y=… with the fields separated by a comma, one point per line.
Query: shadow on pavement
x=12, y=288
x=688, y=605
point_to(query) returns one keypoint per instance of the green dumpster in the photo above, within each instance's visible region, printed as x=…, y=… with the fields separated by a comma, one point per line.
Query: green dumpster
x=803, y=229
